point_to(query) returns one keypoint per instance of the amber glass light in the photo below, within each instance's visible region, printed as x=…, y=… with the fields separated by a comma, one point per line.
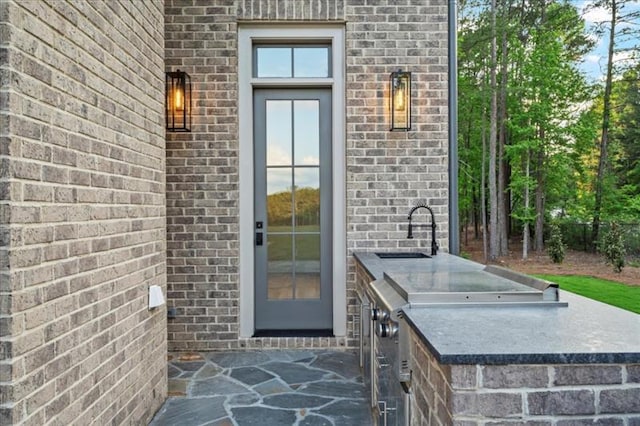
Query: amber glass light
x=400, y=100
x=178, y=101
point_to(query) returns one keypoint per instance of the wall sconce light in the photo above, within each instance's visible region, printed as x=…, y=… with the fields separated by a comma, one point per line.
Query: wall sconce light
x=400, y=104
x=178, y=102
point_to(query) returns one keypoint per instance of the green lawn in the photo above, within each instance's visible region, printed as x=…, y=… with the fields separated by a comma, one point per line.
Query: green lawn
x=610, y=292
x=281, y=245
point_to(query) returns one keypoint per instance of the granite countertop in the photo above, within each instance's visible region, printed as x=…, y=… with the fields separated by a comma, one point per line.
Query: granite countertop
x=585, y=331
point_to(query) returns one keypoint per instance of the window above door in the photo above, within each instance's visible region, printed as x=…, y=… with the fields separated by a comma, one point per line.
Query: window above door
x=291, y=61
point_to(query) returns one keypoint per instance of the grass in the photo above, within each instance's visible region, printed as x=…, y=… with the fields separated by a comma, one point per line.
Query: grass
x=609, y=292
x=281, y=246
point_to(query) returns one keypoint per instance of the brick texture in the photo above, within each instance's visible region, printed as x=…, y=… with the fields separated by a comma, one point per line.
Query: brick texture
x=387, y=173
x=82, y=211
x=473, y=395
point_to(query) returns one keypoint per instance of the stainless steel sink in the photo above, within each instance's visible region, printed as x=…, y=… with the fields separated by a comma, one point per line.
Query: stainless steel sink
x=402, y=255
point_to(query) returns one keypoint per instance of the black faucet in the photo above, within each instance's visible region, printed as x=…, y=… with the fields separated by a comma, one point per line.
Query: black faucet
x=434, y=244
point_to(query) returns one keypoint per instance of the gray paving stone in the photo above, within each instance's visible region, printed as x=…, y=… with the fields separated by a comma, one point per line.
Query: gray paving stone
x=219, y=385
x=177, y=387
x=342, y=363
x=335, y=388
x=292, y=355
x=272, y=387
x=295, y=401
x=251, y=375
x=348, y=412
x=238, y=359
x=294, y=373
x=173, y=371
x=222, y=422
x=190, y=411
x=247, y=416
x=313, y=420
x=244, y=399
x=208, y=371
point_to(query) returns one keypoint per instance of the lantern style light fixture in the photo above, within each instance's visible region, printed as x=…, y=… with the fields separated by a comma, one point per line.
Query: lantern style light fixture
x=400, y=100
x=178, y=102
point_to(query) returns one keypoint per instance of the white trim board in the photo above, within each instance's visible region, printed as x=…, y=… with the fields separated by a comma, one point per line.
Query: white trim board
x=247, y=34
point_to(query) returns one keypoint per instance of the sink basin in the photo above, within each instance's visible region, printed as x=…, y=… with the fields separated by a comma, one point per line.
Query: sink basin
x=402, y=255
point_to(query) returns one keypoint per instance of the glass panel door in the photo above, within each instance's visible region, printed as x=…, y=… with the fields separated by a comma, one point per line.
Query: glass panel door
x=293, y=209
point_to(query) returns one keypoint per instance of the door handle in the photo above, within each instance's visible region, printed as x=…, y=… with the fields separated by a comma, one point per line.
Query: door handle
x=258, y=238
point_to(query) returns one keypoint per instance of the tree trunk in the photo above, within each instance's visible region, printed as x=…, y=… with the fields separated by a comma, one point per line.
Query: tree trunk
x=606, y=114
x=539, y=229
x=503, y=206
x=483, y=182
x=494, y=242
x=525, y=230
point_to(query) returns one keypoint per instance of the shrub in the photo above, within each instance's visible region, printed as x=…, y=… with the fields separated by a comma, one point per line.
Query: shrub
x=555, y=246
x=612, y=247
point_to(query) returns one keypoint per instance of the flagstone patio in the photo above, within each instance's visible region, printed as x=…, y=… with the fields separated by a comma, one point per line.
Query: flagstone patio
x=293, y=387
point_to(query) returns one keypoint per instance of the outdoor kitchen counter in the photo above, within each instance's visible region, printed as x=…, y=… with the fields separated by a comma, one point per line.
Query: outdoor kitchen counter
x=584, y=332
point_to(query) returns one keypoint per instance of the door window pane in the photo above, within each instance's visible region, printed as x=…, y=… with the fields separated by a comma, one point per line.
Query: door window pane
x=280, y=267
x=307, y=199
x=307, y=266
x=278, y=133
x=273, y=62
x=311, y=62
x=279, y=199
x=306, y=132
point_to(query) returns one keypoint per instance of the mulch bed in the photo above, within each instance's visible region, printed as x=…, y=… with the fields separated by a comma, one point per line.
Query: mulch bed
x=575, y=263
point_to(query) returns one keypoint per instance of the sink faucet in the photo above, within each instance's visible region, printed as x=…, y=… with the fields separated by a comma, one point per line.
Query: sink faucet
x=434, y=244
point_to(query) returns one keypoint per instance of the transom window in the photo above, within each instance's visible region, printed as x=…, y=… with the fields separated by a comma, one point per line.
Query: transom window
x=297, y=61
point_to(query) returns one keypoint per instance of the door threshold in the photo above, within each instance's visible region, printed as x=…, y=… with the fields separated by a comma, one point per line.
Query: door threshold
x=294, y=333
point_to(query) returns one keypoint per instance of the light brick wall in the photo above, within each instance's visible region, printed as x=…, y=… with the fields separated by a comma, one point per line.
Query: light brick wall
x=554, y=394
x=387, y=173
x=82, y=213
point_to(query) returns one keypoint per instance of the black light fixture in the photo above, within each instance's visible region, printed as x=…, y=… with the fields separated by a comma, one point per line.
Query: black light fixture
x=400, y=100
x=178, y=102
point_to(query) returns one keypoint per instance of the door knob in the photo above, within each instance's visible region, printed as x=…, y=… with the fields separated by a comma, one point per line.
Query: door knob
x=258, y=238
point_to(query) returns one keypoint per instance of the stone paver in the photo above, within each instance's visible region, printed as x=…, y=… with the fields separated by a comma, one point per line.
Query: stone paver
x=297, y=388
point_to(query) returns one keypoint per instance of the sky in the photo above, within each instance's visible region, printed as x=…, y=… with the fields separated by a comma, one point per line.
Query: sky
x=594, y=64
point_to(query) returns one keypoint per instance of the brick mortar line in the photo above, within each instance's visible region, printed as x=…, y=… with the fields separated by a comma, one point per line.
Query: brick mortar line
x=134, y=343
x=79, y=363
x=68, y=131
x=67, y=185
x=130, y=302
x=82, y=48
x=550, y=389
x=14, y=225
x=89, y=272
x=97, y=204
x=85, y=85
x=93, y=90
x=74, y=240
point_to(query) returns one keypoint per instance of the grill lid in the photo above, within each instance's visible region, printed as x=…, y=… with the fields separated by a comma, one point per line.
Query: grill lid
x=465, y=288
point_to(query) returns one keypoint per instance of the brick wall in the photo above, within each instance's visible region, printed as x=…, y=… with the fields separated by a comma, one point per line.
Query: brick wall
x=82, y=213
x=555, y=394
x=387, y=173
x=202, y=178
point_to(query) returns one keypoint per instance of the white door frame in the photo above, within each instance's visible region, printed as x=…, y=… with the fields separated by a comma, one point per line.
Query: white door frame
x=333, y=34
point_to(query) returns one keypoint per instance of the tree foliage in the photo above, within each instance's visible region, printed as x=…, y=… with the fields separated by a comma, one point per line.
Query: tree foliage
x=555, y=246
x=521, y=88
x=612, y=248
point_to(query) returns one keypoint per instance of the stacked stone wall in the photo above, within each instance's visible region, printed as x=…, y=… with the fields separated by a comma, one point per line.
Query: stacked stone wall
x=545, y=395
x=82, y=211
